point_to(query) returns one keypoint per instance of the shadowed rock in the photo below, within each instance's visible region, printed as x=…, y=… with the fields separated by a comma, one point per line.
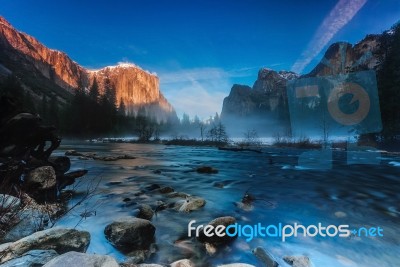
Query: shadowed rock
x=33, y=258
x=61, y=240
x=206, y=169
x=41, y=178
x=215, y=240
x=130, y=234
x=73, y=258
x=145, y=212
x=265, y=257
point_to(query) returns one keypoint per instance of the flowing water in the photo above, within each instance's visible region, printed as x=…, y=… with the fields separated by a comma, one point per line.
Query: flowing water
x=357, y=195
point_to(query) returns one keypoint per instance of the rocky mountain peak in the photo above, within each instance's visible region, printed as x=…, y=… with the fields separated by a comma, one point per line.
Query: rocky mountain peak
x=53, y=72
x=4, y=22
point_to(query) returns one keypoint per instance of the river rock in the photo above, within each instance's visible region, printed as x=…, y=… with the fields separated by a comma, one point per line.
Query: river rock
x=32, y=258
x=217, y=240
x=41, y=178
x=206, y=169
x=166, y=190
x=72, y=153
x=59, y=239
x=297, y=261
x=190, y=204
x=178, y=195
x=61, y=164
x=145, y=212
x=73, y=258
x=112, y=157
x=138, y=256
x=265, y=257
x=9, y=203
x=183, y=263
x=141, y=265
x=236, y=265
x=130, y=234
x=69, y=178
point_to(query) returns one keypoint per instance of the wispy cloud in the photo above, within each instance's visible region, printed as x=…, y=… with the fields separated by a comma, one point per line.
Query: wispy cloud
x=200, y=74
x=199, y=91
x=339, y=16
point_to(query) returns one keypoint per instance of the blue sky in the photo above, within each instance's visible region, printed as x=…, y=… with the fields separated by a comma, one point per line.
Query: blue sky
x=199, y=48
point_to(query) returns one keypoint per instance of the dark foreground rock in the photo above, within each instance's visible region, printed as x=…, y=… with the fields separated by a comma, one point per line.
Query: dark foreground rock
x=72, y=258
x=41, y=178
x=61, y=164
x=215, y=240
x=265, y=257
x=145, y=212
x=61, y=240
x=33, y=258
x=130, y=234
x=206, y=169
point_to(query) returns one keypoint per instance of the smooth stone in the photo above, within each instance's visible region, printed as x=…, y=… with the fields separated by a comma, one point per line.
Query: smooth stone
x=265, y=257
x=61, y=240
x=297, y=261
x=218, y=240
x=340, y=214
x=190, y=204
x=183, y=263
x=41, y=178
x=32, y=258
x=236, y=265
x=130, y=234
x=206, y=169
x=145, y=212
x=166, y=190
x=73, y=258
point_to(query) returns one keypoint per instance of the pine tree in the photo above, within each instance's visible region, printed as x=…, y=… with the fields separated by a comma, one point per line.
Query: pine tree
x=121, y=108
x=94, y=90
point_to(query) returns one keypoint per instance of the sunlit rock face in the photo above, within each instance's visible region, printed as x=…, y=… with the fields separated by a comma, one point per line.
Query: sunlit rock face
x=27, y=52
x=344, y=57
x=46, y=70
x=136, y=88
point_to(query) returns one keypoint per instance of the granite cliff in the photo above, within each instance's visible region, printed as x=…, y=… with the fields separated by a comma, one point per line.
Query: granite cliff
x=44, y=71
x=264, y=106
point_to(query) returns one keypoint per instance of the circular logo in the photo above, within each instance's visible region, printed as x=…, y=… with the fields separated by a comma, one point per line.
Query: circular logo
x=359, y=94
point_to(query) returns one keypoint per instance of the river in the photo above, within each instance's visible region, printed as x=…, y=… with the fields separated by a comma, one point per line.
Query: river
x=358, y=195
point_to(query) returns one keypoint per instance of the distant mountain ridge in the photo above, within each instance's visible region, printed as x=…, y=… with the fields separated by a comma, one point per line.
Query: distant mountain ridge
x=51, y=72
x=266, y=101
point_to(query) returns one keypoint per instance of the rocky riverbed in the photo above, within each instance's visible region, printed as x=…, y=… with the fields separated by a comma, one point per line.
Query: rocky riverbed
x=142, y=197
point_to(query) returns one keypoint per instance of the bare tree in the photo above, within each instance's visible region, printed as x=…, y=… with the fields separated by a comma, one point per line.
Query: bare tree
x=325, y=127
x=202, y=126
x=218, y=133
x=250, y=139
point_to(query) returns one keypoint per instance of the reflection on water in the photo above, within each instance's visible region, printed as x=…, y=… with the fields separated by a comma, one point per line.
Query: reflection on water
x=358, y=195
